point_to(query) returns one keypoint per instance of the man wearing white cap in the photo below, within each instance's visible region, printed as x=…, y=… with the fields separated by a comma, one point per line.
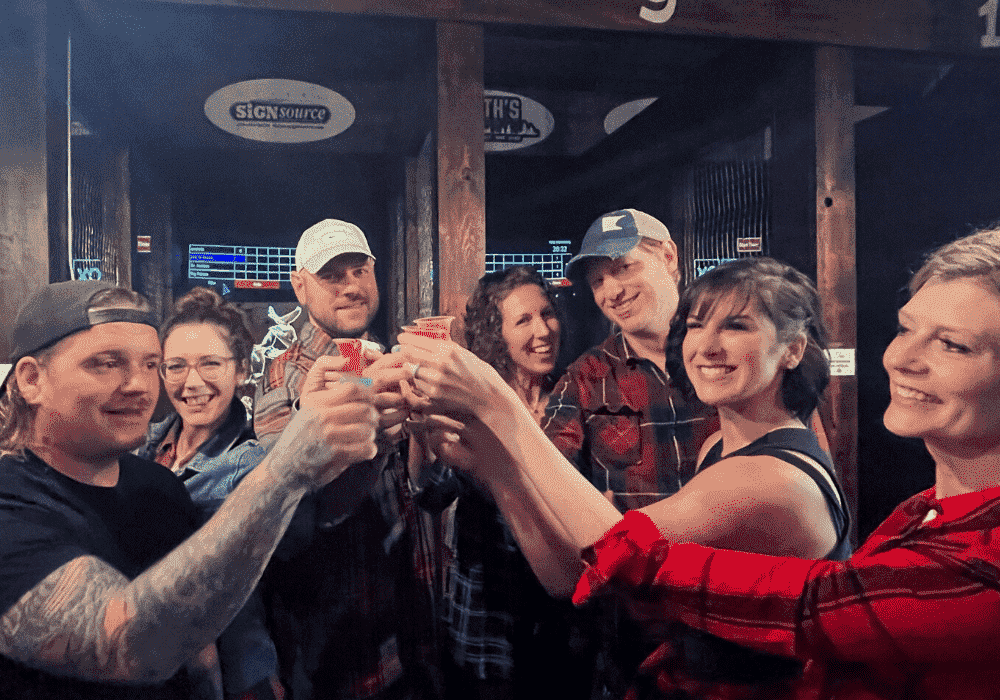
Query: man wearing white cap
x=348, y=589
x=615, y=413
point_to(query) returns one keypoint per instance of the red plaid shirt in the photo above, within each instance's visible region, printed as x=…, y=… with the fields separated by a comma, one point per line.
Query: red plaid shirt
x=618, y=418
x=915, y=613
x=349, y=588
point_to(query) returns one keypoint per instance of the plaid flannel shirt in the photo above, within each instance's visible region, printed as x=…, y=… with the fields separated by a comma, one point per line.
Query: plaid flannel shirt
x=630, y=432
x=499, y=620
x=618, y=418
x=349, y=590
x=914, y=613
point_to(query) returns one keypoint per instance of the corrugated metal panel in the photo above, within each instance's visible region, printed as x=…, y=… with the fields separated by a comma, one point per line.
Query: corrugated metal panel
x=724, y=202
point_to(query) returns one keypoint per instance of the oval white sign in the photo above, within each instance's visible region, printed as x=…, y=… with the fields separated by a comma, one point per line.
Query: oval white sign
x=279, y=111
x=513, y=121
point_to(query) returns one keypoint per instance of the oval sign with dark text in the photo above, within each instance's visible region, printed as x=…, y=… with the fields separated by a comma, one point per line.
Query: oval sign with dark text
x=279, y=111
x=513, y=121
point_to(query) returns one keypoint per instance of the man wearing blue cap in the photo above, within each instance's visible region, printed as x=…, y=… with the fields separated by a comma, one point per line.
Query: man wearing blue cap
x=615, y=413
x=108, y=591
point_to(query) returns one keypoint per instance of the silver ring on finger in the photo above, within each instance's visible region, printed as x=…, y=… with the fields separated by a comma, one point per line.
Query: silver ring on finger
x=416, y=368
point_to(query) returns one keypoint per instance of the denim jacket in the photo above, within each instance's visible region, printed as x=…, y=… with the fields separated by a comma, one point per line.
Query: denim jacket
x=246, y=652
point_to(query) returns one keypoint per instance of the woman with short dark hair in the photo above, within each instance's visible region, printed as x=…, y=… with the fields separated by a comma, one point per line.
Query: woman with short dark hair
x=749, y=340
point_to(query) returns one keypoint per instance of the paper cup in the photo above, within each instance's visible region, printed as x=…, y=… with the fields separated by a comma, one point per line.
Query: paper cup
x=434, y=326
x=351, y=348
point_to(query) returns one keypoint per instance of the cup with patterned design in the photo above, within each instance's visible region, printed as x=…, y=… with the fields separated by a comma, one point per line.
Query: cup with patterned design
x=353, y=350
x=434, y=327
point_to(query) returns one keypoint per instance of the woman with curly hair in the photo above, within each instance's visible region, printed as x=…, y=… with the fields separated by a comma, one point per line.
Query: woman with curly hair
x=209, y=442
x=497, y=616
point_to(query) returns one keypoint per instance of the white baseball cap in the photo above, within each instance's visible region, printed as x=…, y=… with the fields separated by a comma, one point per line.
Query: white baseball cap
x=322, y=242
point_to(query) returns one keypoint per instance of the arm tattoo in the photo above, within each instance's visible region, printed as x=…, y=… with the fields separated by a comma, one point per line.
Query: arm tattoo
x=87, y=620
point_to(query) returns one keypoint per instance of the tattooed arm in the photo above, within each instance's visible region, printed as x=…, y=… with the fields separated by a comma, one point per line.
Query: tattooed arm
x=88, y=621
x=206, y=675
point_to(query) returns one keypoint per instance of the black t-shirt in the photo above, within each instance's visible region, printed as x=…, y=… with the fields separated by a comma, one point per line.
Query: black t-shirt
x=48, y=519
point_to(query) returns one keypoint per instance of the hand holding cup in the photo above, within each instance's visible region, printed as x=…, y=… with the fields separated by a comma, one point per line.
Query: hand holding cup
x=448, y=379
x=334, y=428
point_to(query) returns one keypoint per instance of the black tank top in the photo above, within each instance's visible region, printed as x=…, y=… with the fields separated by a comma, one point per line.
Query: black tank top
x=710, y=659
x=783, y=444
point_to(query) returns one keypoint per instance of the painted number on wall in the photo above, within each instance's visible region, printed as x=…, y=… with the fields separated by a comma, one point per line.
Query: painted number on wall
x=990, y=38
x=660, y=11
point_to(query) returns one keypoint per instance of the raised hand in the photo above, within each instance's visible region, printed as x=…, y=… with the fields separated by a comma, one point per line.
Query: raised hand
x=387, y=373
x=335, y=426
x=450, y=380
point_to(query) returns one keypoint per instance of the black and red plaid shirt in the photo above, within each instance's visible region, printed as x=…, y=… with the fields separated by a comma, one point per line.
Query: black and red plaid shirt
x=914, y=613
x=619, y=419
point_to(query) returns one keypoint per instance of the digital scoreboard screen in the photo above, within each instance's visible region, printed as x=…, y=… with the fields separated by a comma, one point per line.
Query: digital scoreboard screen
x=550, y=264
x=240, y=267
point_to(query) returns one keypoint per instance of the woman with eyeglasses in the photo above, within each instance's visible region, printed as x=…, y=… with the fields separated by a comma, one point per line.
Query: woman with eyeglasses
x=209, y=442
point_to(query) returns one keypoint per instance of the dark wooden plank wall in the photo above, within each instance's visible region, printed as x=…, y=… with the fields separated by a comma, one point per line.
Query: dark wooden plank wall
x=461, y=168
x=835, y=251
x=937, y=25
x=117, y=214
x=24, y=246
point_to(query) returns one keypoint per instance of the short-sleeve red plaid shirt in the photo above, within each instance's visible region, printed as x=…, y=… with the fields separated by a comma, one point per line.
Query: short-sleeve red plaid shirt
x=914, y=614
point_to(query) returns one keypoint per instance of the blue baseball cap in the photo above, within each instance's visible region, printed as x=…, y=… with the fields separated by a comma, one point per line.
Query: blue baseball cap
x=616, y=233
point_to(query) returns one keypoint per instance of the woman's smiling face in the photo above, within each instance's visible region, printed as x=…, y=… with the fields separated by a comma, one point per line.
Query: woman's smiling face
x=201, y=402
x=530, y=329
x=732, y=355
x=944, y=367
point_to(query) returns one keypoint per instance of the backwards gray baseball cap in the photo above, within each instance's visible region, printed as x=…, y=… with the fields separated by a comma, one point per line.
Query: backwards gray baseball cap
x=616, y=233
x=58, y=310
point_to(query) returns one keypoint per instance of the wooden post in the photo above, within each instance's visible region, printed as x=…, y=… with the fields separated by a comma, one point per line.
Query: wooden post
x=412, y=257
x=425, y=212
x=396, y=301
x=24, y=238
x=461, y=166
x=151, y=216
x=835, y=250
x=117, y=214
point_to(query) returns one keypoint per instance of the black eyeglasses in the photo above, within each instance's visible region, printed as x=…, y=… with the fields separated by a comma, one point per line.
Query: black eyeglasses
x=210, y=367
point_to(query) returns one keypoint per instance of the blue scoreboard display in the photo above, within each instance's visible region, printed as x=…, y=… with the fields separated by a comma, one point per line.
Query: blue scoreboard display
x=240, y=267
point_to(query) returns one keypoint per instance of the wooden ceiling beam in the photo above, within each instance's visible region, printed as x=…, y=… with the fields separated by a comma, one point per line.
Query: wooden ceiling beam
x=951, y=26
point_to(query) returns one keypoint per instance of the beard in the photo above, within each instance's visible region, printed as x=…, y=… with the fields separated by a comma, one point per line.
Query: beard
x=335, y=331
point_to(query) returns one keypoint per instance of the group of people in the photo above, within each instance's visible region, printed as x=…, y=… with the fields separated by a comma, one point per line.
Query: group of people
x=417, y=534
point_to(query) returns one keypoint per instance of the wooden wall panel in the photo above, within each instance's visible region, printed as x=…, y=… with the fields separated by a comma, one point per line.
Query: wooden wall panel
x=835, y=250
x=939, y=25
x=117, y=211
x=24, y=245
x=151, y=216
x=461, y=168
x=411, y=258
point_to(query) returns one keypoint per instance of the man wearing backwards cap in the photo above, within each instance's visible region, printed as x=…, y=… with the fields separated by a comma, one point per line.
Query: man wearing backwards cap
x=348, y=590
x=615, y=413
x=105, y=591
